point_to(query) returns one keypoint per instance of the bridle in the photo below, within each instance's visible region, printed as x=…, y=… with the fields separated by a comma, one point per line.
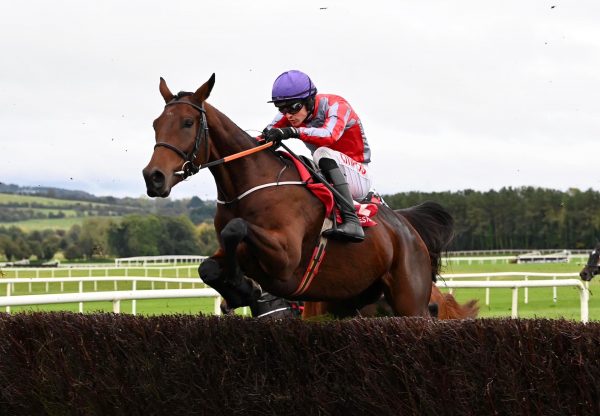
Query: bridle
x=189, y=168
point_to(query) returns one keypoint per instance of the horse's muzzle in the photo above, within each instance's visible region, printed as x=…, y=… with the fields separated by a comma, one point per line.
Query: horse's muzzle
x=156, y=183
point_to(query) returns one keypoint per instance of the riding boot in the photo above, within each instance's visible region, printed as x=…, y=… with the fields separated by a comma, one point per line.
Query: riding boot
x=350, y=229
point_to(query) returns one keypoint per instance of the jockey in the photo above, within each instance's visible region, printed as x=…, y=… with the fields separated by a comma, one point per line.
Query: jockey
x=333, y=133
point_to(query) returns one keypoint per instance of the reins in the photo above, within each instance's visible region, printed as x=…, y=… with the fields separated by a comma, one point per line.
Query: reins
x=189, y=168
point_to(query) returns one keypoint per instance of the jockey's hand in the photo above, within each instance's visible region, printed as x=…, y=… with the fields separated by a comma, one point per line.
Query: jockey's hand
x=277, y=135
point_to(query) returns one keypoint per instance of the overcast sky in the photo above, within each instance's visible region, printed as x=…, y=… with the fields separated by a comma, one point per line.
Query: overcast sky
x=453, y=95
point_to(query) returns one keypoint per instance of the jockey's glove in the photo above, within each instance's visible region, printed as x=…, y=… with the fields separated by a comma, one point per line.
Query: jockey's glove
x=277, y=135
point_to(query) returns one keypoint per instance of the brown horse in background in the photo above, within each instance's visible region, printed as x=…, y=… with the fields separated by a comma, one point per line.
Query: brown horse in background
x=268, y=227
x=446, y=305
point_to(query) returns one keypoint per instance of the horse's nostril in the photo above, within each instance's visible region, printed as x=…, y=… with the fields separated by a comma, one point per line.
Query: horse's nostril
x=157, y=178
x=155, y=181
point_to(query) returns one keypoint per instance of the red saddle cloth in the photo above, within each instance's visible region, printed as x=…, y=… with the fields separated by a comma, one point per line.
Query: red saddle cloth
x=365, y=211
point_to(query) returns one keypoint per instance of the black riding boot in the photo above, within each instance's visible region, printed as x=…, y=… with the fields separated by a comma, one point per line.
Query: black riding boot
x=350, y=229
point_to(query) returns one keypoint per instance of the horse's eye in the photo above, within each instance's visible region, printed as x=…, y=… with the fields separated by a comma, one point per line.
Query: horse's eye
x=188, y=122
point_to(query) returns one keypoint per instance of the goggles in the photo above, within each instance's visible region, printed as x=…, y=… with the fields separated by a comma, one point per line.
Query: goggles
x=290, y=108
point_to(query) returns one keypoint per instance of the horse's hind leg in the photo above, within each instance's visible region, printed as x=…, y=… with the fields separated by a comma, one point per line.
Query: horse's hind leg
x=408, y=284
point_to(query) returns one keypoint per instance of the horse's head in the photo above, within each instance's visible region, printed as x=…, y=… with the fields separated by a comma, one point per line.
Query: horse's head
x=592, y=267
x=181, y=133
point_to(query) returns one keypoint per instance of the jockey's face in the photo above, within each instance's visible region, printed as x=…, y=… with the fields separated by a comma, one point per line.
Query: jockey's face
x=297, y=119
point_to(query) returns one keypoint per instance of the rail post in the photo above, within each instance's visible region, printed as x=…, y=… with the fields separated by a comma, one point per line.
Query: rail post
x=81, y=291
x=584, y=296
x=8, y=293
x=514, y=312
x=134, y=301
x=217, y=305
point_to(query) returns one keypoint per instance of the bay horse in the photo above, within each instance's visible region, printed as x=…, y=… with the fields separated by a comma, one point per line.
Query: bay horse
x=592, y=267
x=268, y=224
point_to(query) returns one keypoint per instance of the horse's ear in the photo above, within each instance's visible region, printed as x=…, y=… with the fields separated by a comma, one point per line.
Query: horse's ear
x=165, y=91
x=203, y=92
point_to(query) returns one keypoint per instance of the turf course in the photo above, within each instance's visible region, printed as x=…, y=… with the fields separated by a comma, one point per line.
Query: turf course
x=540, y=305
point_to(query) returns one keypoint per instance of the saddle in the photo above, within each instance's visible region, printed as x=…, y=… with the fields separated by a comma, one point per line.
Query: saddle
x=365, y=209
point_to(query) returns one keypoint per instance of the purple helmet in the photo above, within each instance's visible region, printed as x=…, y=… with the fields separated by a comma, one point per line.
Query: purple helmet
x=292, y=85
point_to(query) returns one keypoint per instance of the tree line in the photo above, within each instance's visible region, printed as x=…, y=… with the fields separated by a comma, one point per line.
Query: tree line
x=101, y=238
x=516, y=218
x=511, y=218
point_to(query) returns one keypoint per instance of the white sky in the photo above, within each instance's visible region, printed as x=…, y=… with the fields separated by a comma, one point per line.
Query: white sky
x=453, y=95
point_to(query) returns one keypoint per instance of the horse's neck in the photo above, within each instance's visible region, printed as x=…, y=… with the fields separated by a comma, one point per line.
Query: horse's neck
x=235, y=177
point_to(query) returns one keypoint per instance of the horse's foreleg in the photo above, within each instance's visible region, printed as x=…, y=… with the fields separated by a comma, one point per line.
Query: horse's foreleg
x=235, y=294
x=262, y=304
x=222, y=271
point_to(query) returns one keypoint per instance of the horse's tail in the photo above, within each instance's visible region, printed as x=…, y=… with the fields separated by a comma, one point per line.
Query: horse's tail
x=449, y=308
x=435, y=225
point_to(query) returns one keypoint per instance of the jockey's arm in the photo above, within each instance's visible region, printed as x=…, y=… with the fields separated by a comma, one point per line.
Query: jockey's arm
x=278, y=122
x=333, y=126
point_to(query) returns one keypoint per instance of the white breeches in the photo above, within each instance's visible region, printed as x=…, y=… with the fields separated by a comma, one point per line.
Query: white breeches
x=356, y=173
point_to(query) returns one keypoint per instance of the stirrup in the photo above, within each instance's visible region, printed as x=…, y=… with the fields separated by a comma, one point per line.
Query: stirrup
x=338, y=233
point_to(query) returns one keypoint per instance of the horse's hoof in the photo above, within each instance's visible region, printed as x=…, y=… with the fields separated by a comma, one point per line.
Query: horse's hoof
x=209, y=271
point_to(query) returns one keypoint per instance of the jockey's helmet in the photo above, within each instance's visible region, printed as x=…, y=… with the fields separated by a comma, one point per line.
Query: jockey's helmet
x=292, y=85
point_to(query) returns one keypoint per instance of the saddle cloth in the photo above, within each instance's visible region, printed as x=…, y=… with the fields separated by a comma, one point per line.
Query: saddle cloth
x=364, y=210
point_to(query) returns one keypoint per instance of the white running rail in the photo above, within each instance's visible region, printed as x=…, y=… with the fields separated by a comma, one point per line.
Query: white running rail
x=114, y=297
x=8, y=300
x=516, y=284
x=525, y=275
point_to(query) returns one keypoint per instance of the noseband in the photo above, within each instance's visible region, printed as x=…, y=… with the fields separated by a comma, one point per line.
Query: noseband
x=189, y=168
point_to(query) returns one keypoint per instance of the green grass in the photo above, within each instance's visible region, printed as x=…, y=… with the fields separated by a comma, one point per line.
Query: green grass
x=145, y=307
x=49, y=202
x=540, y=302
x=70, y=208
x=51, y=223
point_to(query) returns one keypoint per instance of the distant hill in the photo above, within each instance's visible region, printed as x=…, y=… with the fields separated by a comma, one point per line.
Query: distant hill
x=47, y=191
x=25, y=205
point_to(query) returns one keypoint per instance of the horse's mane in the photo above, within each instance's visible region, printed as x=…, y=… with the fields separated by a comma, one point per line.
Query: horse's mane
x=435, y=225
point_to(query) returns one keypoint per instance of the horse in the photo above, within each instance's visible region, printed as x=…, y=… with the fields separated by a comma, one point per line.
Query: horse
x=269, y=224
x=442, y=305
x=592, y=267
